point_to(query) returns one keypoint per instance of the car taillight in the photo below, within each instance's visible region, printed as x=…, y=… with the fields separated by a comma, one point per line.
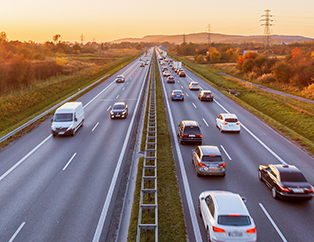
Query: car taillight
x=218, y=230
x=309, y=190
x=182, y=95
x=184, y=135
x=223, y=164
x=201, y=164
x=199, y=135
x=284, y=189
x=173, y=95
x=251, y=231
x=211, y=95
x=238, y=123
x=224, y=123
x=203, y=95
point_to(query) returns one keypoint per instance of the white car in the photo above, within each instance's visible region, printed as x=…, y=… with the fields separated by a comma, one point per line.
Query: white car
x=228, y=122
x=226, y=217
x=194, y=86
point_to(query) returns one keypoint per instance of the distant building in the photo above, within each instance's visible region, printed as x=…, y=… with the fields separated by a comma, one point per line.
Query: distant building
x=244, y=51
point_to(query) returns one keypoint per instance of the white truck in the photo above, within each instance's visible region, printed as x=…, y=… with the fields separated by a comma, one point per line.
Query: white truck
x=178, y=65
x=67, y=119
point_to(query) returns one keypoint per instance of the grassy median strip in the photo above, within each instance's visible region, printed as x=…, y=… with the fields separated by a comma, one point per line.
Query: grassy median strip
x=171, y=226
x=282, y=114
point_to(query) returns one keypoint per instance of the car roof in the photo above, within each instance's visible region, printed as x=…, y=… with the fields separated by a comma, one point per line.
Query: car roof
x=286, y=168
x=206, y=91
x=229, y=115
x=176, y=90
x=119, y=103
x=190, y=122
x=193, y=82
x=210, y=150
x=228, y=203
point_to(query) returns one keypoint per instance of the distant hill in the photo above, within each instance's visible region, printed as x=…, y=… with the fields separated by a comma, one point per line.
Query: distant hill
x=217, y=38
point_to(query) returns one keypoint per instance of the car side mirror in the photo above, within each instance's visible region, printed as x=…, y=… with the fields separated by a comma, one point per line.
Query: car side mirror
x=75, y=119
x=244, y=199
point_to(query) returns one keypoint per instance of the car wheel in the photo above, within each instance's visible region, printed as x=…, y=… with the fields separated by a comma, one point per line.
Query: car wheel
x=238, y=131
x=274, y=192
x=182, y=99
x=259, y=175
x=54, y=134
x=198, y=174
x=199, y=209
x=73, y=132
x=221, y=131
x=208, y=235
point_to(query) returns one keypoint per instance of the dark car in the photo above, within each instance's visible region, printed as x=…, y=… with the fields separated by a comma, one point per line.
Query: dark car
x=285, y=181
x=119, y=110
x=182, y=73
x=189, y=131
x=206, y=95
x=177, y=95
x=207, y=160
x=120, y=78
x=170, y=79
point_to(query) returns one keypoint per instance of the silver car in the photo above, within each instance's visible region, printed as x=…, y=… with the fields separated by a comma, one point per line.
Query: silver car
x=226, y=217
x=207, y=160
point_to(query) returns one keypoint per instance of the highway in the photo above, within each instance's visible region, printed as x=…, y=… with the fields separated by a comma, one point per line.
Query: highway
x=72, y=188
x=257, y=143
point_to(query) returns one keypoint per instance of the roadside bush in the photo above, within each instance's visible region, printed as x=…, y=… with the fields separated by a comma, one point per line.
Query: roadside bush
x=266, y=78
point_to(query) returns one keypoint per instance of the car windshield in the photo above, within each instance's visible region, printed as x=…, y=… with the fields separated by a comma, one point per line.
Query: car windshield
x=292, y=177
x=118, y=106
x=177, y=92
x=231, y=120
x=63, y=117
x=192, y=129
x=234, y=220
x=211, y=158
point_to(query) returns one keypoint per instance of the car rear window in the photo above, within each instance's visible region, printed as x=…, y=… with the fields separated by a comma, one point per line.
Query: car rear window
x=192, y=129
x=231, y=120
x=234, y=220
x=292, y=177
x=177, y=92
x=211, y=158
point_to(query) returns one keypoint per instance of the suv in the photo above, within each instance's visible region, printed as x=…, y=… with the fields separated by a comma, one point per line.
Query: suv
x=189, y=131
x=206, y=95
x=226, y=217
x=285, y=181
x=207, y=160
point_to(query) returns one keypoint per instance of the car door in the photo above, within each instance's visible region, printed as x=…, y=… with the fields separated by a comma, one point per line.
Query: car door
x=218, y=121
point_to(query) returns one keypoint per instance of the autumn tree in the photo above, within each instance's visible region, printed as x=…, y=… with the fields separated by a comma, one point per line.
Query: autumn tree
x=56, y=37
x=3, y=37
x=282, y=72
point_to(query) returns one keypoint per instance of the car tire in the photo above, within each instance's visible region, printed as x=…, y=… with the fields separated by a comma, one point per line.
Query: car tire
x=198, y=174
x=182, y=99
x=238, y=131
x=221, y=131
x=199, y=210
x=259, y=175
x=274, y=192
x=54, y=134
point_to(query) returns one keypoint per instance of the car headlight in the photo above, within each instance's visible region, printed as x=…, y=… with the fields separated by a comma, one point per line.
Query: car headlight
x=70, y=127
x=53, y=127
x=123, y=112
x=111, y=112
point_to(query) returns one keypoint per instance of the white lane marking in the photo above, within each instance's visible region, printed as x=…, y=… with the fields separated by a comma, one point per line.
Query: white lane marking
x=105, y=208
x=256, y=138
x=205, y=122
x=127, y=83
x=17, y=231
x=182, y=87
x=95, y=126
x=196, y=228
x=194, y=105
x=117, y=97
x=187, y=94
x=225, y=152
x=178, y=81
x=69, y=162
x=24, y=158
x=123, y=88
x=109, y=108
x=273, y=223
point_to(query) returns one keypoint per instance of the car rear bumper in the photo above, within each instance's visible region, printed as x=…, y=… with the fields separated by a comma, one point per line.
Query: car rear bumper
x=191, y=140
x=212, y=172
x=296, y=196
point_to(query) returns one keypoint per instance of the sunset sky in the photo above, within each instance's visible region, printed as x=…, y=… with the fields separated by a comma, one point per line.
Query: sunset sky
x=104, y=20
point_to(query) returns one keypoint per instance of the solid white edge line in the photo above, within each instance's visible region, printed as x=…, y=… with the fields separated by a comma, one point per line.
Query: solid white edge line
x=205, y=122
x=196, y=229
x=17, y=231
x=115, y=175
x=69, y=162
x=24, y=158
x=256, y=138
x=225, y=152
x=95, y=126
x=272, y=222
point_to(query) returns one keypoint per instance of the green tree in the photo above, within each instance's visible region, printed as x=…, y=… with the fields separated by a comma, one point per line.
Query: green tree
x=200, y=59
x=214, y=56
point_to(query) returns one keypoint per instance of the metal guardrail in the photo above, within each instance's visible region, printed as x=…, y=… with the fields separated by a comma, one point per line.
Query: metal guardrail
x=14, y=132
x=148, y=200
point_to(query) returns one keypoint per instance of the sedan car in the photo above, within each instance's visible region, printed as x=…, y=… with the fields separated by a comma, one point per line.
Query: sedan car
x=207, y=160
x=228, y=122
x=285, y=181
x=206, y=95
x=120, y=78
x=226, y=217
x=182, y=73
x=119, y=110
x=171, y=79
x=177, y=95
x=142, y=64
x=190, y=131
x=194, y=86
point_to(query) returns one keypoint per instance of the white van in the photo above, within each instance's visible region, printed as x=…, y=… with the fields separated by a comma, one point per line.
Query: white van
x=67, y=119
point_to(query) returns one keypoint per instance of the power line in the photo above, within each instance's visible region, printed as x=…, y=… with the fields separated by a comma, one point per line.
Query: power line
x=267, y=23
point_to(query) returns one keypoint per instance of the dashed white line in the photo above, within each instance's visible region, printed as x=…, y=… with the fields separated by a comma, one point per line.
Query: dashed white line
x=95, y=127
x=117, y=97
x=225, y=152
x=205, y=122
x=69, y=162
x=17, y=231
x=182, y=87
x=187, y=94
x=194, y=105
x=273, y=223
x=109, y=108
x=123, y=88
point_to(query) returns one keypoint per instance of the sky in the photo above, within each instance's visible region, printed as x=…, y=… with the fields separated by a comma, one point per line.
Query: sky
x=104, y=20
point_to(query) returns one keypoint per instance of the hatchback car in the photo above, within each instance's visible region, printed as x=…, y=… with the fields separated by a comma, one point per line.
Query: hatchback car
x=285, y=181
x=189, y=131
x=207, y=160
x=206, y=95
x=228, y=122
x=226, y=217
x=119, y=110
x=120, y=78
x=194, y=86
x=171, y=79
x=177, y=95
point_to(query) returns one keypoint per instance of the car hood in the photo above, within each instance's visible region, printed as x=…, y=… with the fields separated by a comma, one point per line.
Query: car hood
x=117, y=110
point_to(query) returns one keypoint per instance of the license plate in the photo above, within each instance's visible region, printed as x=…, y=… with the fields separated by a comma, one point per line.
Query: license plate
x=118, y=115
x=192, y=135
x=212, y=166
x=61, y=132
x=178, y=96
x=235, y=234
x=297, y=190
x=207, y=96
